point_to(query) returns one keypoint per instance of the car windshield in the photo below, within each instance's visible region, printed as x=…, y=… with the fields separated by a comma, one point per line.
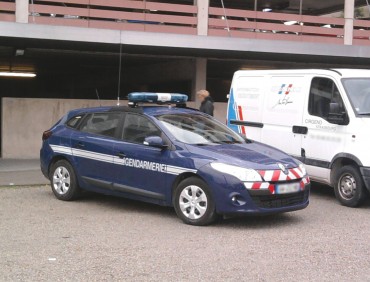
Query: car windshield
x=198, y=129
x=358, y=91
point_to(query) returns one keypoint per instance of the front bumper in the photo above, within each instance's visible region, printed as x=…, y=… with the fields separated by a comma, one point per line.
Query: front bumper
x=265, y=202
x=233, y=197
x=282, y=200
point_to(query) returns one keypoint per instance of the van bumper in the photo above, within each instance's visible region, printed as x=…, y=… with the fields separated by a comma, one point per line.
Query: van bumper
x=365, y=172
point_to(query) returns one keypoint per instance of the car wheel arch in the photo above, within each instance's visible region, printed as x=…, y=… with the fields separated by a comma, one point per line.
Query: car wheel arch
x=56, y=159
x=180, y=178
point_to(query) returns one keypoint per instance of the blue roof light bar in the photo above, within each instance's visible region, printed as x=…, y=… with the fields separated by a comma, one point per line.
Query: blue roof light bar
x=159, y=98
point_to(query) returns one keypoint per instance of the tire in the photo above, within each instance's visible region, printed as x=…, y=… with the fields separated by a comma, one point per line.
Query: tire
x=194, y=203
x=63, y=181
x=349, y=186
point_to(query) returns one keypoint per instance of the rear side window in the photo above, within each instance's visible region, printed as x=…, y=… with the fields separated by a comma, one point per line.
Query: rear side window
x=73, y=122
x=323, y=92
x=101, y=123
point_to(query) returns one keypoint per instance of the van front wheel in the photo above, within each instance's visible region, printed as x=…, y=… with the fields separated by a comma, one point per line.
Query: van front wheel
x=349, y=187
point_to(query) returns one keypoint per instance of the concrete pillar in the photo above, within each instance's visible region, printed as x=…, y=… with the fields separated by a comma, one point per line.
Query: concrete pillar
x=203, y=6
x=200, y=78
x=349, y=11
x=21, y=11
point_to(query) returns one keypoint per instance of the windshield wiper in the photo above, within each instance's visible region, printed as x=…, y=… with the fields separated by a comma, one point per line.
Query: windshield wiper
x=218, y=142
x=208, y=144
x=365, y=114
x=228, y=142
x=201, y=144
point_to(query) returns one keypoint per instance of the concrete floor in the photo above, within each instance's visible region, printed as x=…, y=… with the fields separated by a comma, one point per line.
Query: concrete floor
x=100, y=238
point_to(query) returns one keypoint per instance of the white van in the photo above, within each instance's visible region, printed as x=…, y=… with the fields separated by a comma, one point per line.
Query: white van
x=321, y=117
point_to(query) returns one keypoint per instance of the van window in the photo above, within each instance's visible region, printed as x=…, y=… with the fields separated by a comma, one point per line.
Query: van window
x=358, y=91
x=323, y=92
x=101, y=123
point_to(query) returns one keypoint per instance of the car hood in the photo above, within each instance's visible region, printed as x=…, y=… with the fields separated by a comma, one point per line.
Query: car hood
x=253, y=155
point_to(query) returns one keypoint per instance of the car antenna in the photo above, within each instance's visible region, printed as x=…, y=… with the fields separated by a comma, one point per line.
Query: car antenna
x=97, y=95
x=119, y=73
x=225, y=16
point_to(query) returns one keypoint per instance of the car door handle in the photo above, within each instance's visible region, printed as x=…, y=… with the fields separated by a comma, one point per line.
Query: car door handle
x=121, y=155
x=300, y=129
x=80, y=145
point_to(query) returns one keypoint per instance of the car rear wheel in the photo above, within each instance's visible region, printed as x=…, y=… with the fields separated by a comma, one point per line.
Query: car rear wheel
x=349, y=187
x=63, y=181
x=194, y=203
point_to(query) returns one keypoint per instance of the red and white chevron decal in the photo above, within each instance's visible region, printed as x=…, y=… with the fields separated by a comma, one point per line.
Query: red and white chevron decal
x=277, y=176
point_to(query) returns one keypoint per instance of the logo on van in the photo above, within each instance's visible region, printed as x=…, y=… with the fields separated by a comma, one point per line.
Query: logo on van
x=285, y=89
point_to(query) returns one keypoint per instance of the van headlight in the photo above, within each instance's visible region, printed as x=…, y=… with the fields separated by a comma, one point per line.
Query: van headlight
x=303, y=169
x=243, y=174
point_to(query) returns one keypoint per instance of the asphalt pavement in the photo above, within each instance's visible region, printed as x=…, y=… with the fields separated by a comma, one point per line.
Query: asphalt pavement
x=101, y=238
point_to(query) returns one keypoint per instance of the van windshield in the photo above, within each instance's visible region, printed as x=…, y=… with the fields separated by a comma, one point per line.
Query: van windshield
x=198, y=130
x=358, y=91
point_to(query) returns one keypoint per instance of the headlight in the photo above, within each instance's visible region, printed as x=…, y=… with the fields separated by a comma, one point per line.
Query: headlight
x=303, y=169
x=243, y=174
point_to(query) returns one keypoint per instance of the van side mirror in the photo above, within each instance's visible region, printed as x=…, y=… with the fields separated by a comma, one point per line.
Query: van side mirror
x=155, y=141
x=334, y=108
x=336, y=116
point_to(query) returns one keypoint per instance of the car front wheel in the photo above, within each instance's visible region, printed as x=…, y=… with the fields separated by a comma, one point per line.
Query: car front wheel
x=63, y=181
x=194, y=203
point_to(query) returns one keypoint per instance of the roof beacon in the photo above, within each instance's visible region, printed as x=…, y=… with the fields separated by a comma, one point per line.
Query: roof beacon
x=159, y=98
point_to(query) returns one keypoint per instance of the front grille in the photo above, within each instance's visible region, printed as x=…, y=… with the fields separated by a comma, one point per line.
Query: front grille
x=280, y=201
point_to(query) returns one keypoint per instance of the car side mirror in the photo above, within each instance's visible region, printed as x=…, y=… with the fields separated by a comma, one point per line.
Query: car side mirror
x=336, y=116
x=155, y=141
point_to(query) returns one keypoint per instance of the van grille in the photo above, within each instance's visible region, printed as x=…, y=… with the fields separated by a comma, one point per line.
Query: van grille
x=280, y=201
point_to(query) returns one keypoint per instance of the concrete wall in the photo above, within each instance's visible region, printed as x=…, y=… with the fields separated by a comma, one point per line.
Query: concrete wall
x=24, y=120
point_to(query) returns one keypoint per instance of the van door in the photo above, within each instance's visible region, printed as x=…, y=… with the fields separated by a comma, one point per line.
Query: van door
x=282, y=114
x=324, y=139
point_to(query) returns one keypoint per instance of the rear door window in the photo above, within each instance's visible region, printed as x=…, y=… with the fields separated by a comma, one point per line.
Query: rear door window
x=105, y=124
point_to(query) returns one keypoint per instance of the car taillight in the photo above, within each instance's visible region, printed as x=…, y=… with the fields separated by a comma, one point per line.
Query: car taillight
x=46, y=135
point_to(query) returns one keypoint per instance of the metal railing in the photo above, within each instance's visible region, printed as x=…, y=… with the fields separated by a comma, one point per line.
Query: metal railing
x=110, y=14
x=7, y=11
x=279, y=26
x=182, y=19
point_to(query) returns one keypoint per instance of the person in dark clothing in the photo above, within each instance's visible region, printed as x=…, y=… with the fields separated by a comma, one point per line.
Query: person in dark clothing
x=206, y=100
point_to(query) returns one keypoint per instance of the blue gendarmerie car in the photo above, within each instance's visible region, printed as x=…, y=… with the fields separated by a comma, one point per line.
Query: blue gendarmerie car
x=172, y=156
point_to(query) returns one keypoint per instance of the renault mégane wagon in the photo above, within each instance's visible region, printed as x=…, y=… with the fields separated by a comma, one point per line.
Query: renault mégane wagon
x=170, y=155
